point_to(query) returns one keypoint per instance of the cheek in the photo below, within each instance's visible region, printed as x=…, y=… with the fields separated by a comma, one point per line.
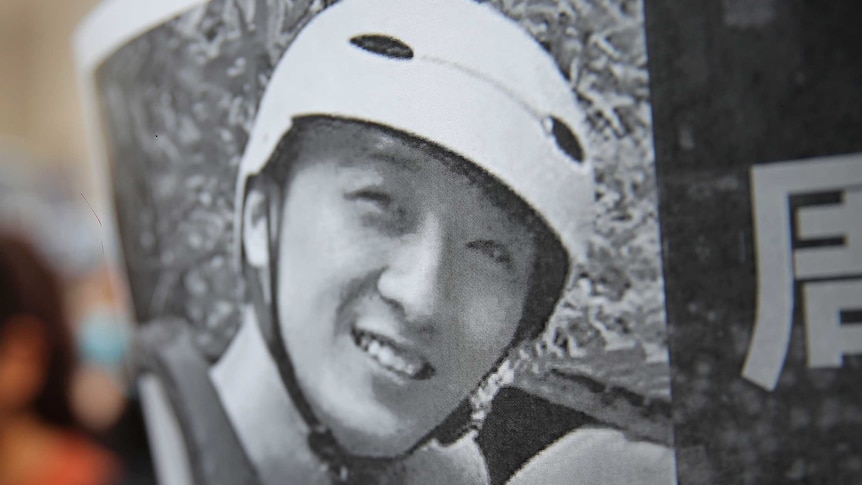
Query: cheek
x=491, y=304
x=322, y=254
x=488, y=323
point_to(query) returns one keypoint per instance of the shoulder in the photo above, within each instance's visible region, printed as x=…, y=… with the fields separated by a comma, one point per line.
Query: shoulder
x=166, y=352
x=600, y=455
x=167, y=445
x=192, y=436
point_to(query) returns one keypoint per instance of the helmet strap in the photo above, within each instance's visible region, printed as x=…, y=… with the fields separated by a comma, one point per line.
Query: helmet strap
x=341, y=466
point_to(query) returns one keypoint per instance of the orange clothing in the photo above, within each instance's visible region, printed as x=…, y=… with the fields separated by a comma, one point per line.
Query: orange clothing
x=75, y=461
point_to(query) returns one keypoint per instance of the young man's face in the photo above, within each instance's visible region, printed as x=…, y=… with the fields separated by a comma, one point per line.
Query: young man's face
x=399, y=284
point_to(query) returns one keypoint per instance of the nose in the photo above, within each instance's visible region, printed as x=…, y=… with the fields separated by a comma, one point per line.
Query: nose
x=414, y=278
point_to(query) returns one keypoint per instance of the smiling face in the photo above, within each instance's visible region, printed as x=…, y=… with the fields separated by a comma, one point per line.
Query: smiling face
x=399, y=283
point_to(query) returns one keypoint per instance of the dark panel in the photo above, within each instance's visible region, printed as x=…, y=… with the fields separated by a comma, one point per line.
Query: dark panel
x=735, y=84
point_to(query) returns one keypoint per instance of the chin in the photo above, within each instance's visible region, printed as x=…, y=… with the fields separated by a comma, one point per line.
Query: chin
x=376, y=441
x=363, y=426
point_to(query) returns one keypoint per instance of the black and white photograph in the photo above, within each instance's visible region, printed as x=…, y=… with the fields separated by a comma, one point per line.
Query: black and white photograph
x=490, y=242
x=388, y=242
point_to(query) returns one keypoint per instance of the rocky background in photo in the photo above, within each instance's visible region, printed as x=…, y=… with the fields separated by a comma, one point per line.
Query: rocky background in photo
x=178, y=104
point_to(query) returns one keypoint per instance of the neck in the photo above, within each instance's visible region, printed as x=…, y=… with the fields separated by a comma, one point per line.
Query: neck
x=270, y=428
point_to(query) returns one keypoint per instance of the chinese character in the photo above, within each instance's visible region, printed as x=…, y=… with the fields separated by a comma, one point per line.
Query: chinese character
x=826, y=261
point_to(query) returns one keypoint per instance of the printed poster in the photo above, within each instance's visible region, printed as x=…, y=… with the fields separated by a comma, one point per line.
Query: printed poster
x=387, y=242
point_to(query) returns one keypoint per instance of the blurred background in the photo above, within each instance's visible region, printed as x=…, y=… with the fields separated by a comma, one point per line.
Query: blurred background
x=46, y=190
x=39, y=107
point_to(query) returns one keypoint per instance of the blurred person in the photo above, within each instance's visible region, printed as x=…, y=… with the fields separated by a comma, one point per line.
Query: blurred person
x=39, y=201
x=101, y=397
x=41, y=441
x=102, y=333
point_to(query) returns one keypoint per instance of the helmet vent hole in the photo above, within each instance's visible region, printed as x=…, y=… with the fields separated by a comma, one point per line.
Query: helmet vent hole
x=566, y=140
x=383, y=45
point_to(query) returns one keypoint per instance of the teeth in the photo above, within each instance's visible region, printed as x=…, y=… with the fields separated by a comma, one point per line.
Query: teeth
x=374, y=348
x=387, y=356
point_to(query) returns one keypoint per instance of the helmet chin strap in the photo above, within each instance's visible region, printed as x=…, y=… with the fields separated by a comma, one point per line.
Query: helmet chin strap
x=320, y=439
x=342, y=466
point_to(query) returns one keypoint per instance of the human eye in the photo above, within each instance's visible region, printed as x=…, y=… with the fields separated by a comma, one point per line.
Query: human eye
x=494, y=251
x=373, y=198
x=377, y=206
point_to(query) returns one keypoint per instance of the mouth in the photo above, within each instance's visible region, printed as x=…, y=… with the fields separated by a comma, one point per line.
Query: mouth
x=393, y=357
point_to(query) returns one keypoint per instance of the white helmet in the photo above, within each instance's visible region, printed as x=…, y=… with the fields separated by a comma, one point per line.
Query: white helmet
x=453, y=72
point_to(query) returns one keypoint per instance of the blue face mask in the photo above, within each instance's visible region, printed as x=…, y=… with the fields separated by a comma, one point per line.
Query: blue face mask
x=103, y=339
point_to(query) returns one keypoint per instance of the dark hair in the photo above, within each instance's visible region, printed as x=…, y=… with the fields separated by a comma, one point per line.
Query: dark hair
x=30, y=287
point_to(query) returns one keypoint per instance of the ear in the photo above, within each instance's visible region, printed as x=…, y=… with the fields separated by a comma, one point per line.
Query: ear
x=256, y=226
